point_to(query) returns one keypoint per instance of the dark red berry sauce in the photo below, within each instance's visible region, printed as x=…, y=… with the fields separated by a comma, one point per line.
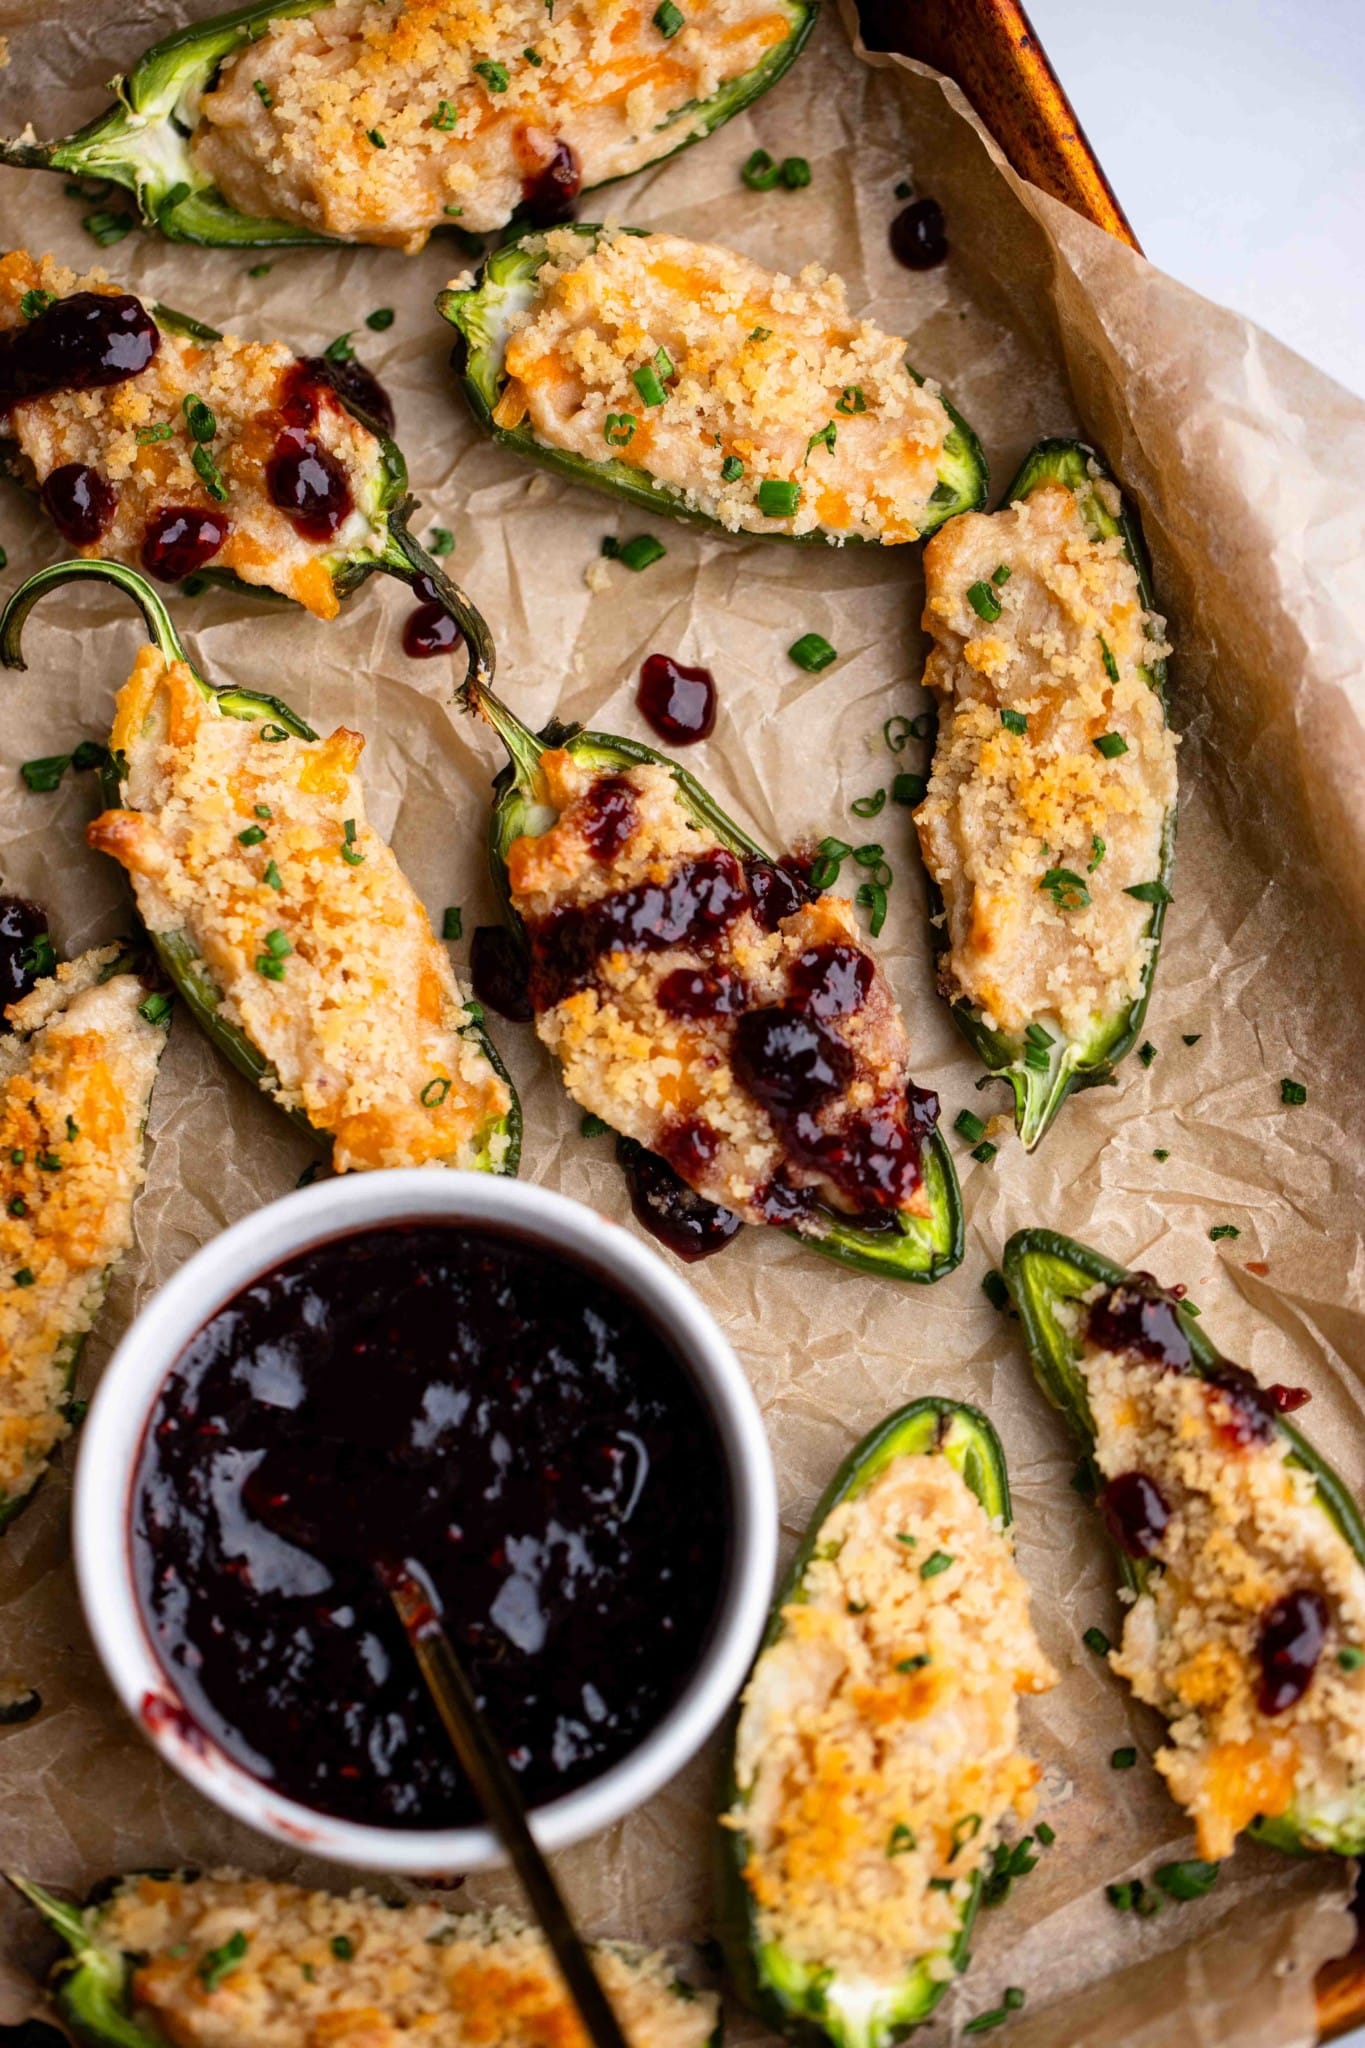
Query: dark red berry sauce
x=1135, y=1511
x=429, y=629
x=550, y=189
x=78, y=343
x=696, y=992
x=832, y=980
x=918, y=239
x=670, y=1210
x=483, y=1406
x=608, y=815
x=22, y=924
x=498, y=973
x=1288, y=1645
x=679, y=703
x=1286, y=1399
x=308, y=484
x=1140, y=1317
x=80, y=502
x=701, y=898
x=359, y=390
x=777, y=889
x=180, y=539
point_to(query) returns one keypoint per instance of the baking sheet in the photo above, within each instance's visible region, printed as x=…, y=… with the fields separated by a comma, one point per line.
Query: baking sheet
x=1246, y=464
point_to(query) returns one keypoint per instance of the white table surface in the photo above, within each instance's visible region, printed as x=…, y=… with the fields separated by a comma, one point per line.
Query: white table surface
x=1233, y=132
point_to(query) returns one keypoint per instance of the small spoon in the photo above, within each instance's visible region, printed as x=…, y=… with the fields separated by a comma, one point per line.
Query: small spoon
x=286, y=1511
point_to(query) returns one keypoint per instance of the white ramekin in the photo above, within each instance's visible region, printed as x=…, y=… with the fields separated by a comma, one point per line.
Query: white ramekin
x=112, y=1442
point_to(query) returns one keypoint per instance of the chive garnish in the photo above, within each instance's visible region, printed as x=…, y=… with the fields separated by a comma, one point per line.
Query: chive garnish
x=1046, y=1835
x=907, y=1665
x=826, y=438
x=1066, y=889
x=1122, y=1759
x=24, y=1277
x=156, y=1009
x=35, y=302
x=868, y=806
x=272, y=970
x=1095, y=1639
x=533, y=57
x=795, y=172
x=220, y=1962
x=731, y=470
x=263, y=92
x=641, y=551
x=348, y=849
x=1097, y=852
x=107, y=228
x=208, y=472
x=435, y=1092
x=198, y=418
x=909, y=789
x=271, y=877
x=452, y=922
x=932, y=1566
x=1111, y=745
x=441, y=541
x=1293, y=1092
x=1001, y=573
x=445, y=117
x=646, y=382
x=1350, y=1658
x=39, y=958
x=1038, y=1034
x=812, y=652
x=1190, y=1037
x=273, y=733
x=340, y=350
x=1161, y=1153
x=778, y=498
x=1111, y=667
x=18, y=1206
x=252, y=836
x=1149, y=892
x=592, y=1126
x=901, y=1840
x=1013, y=721
x=375, y=136
x=1147, y=1052
x=760, y=334
x=994, y=1288
x=277, y=944
x=871, y=896
x=382, y=317
x=759, y=172
x=263, y=810
x=968, y=1125
x=45, y=774
x=897, y=732
x=984, y=602
x=260, y=270
x=162, y=431
x=1190, y=1880
x=1221, y=1230
x=851, y=400
x=985, y=1152
x=48, y=1162
x=668, y=19
x=965, y=1830
x=343, y=1948
x=619, y=428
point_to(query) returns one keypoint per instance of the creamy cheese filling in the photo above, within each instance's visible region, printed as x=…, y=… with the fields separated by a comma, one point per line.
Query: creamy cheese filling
x=877, y=1753
x=74, y=1090
x=717, y=378
x=257, y=846
x=136, y=436
x=235, y=1962
x=1033, y=832
x=378, y=122
x=1243, y=1535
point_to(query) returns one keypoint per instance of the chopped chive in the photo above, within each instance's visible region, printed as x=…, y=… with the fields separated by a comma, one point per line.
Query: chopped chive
x=932, y=1566
x=271, y=969
x=1221, y=1230
x=1350, y=1658
x=73, y=1129
x=260, y=270
x=47, y=1162
x=435, y=1092
x=994, y=1288
x=273, y=733
x=1066, y=889
x=1001, y=573
x=897, y=732
x=868, y=806
x=1161, y=1153
x=533, y=56
x=39, y=958
x=17, y=1156
x=641, y=551
x=984, y=1152
x=759, y=172
x=668, y=19
x=1111, y=745
x=155, y=1009
x=619, y=428
x=1014, y=1997
x=343, y=1948
x=18, y=1206
x=1190, y=1880
x=1097, y=853
x=263, y=92
x=984, y=2021
x=795, y=172
x=760, y=334
x=445, y=116
x=592, y=1126
x=374, y=137
x=871, y=896
x=208, y=472
x=271, y=877
x=35, y=302
x=277, y=944
x=348, y=850
x=869, y=855
x=663, y=362
x=731, y=470
x=1095, y=1639
x=969, y=1827
x=220, y=1962
x=252, y=836
x=1013, y=721
x=341, y=350
x=24, y=1277
x=968, y=1125
x=812, y=652
x=1046, y=1835
x=1149, y=892
x=1122, y=1896
x=1038, y=1034
x=902, y=190
x=1122, y=1759
x=907, y=1540
x=646, y=382
x=441, y=541
x=1147, y=1052
x=909, y=789
x=263, y=810
x=452, y=922
x=908, y=1665
x=851, y=400
x=198, y=418
x=45, y=774
x=984, y=602
x=1293, y=1092
x=901, y=1840
x=1111, y=667
x=382, y=317
x=107, y=228
x=1190, y=1037
x=162, y=431
x=778, y=498
x=453, y=212
x=826, y=438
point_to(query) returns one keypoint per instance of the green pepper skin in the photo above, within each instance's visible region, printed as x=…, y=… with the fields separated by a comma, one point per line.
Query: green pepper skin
x=175, y=950
x=142, y=141
x=1042, y=1269
x=505, y=286
x=791, y=1997
x=923, y=1249
x=1071, y=1064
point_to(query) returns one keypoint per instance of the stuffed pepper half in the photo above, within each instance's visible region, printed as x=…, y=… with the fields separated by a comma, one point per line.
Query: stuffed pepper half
x=1242, y=1552
x=705, y=1002
x=281, y=916
x=154, y=440
x=692, y=381
x=227, y=1961
x=75, y=1082
x=379, y=120
x=877, y=1749
x=1049, y=825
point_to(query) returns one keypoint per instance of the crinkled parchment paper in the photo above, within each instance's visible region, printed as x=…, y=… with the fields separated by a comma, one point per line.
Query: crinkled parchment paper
x=1246, y=463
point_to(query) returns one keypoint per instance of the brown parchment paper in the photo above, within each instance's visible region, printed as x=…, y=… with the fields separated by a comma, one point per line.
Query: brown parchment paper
x=1246, y=463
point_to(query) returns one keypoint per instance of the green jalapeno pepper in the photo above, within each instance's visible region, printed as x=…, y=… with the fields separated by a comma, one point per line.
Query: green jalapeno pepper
x=91, y=1985
x=506, y=287
x=1044, y=1067
x=144, y=142
x=797, y=1998
x=1048, y=1276
x=138, y=1023
x=918, y=1249
x=176, y=950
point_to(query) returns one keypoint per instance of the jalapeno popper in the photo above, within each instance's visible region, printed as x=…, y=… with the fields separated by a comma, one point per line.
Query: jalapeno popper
x=877, y=1753
x=1242, y=1553
x=227, y=1961
x=75, y=1082
x=280, y=914
x=154, y=440
x=379, y=120
x=705, y=1002
x=1049, y=824
x=690, y=380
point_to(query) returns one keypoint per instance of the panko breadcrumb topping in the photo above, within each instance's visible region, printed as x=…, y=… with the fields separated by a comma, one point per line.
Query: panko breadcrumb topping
x=660, y=1069
x=759, y=378
x=256, y=846
x=136, y=436
x=74, y=1088
x=877, y=1753
x=379, y=120
x=227, y=1961
x=1020, y=790
x=1244, y=1534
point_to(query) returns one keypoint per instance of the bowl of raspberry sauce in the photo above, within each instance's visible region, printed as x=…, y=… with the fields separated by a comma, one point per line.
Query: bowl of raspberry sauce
x=471, y=1373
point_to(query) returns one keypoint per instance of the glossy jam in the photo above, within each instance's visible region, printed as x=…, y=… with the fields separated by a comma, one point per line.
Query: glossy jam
x=789, y=1062
x=21, y=925
x=1285, y=1400
x=1136, y=1513
x=1140, y=1317
x=429, y=629
x=678, y=702
x=181, y=539
x=777, y=889
x=483, y=1406
x=498, y=973
x=665, y=1206
x=918, y=239
x=831, y=980
x=700, y=898
x=308, y=485
x=696, y=992
x=80, y=502
x=549, y=191
x=608, y=815
x=1246, y=1413
x=1288, y=1645
x=359, y=390
x=84, y=341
